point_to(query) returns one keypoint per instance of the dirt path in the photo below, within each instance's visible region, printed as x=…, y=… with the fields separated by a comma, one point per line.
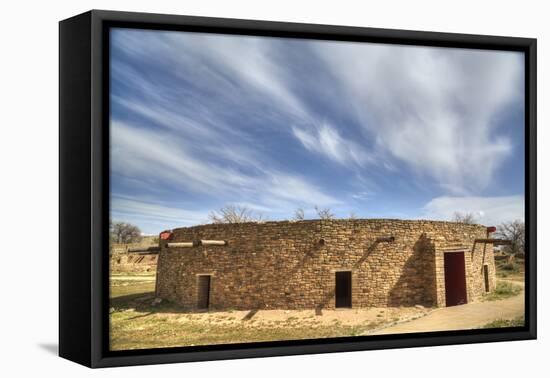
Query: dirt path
x=468, y=316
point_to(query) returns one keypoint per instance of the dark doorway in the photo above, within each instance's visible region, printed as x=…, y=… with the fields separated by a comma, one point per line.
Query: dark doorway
x=204, y=293
x=486, y=277
x=343, y=289
x=455, y=279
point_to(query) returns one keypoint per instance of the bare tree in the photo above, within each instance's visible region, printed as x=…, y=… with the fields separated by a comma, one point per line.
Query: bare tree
x=467, y=218
x=352, y=215
x=122, y=232
x=325, y=213
x=515, y=232
x=234, y=214
x=299, y=214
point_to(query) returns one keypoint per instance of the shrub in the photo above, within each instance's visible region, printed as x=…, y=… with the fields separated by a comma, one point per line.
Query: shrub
x=511, y=267
x=505, y=323
x=502, y=291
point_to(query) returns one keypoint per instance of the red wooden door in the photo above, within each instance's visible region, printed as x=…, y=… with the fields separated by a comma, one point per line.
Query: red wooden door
x=455, y=279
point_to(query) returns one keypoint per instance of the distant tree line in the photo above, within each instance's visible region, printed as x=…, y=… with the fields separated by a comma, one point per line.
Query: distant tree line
x=467, y=218
x=242, y=214
x=234, y=214
x=514, y=231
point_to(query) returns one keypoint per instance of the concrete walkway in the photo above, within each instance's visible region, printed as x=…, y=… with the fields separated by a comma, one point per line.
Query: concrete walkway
x=468, y=316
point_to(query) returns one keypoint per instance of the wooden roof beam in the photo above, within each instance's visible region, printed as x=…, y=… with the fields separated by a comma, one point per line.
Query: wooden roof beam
x=213, y=242
x=190, y=244
x=195, y=243
x=494, y=241
x=152, y=249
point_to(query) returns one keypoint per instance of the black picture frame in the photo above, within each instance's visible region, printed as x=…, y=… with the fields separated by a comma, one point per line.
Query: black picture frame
x=84, y=187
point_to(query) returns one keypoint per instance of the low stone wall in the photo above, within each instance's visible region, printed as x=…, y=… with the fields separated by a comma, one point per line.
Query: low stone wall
x=133, y=263
x=293, y=264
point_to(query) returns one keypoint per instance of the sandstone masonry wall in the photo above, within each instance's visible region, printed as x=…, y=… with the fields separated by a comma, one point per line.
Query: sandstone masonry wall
x=284, y=264
x=133, y=263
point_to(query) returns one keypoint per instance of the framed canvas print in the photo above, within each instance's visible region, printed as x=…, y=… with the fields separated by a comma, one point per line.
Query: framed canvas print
x=234, y=188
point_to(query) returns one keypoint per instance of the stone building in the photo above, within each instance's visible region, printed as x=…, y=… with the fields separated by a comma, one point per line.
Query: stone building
x=325, y=264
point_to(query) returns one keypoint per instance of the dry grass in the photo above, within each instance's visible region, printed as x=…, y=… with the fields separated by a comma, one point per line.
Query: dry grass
x=136, y=330
x=506, y=323
x=503, y=290
x=137, y=324
x=514, y=270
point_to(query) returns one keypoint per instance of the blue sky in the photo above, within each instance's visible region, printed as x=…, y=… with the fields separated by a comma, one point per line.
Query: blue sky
x=199, y=121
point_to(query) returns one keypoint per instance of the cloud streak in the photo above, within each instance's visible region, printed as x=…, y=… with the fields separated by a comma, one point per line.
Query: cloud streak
x=279, y=124
x=167, y=214
x=327, y=141
x=433, y=108
x=157, y=159
x=490, y=211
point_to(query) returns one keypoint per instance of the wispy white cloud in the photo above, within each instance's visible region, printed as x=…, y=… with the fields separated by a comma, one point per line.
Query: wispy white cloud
x=251, y=62
x=222, y=65
x=327, y=141
x=297, y=190
x=165, y=105
x=249, y=73
x=212, y=115
x=432, y=108
x=153, y=216
x=362, y=196
x=155, y=156
x=160, y=159
x=490, y=211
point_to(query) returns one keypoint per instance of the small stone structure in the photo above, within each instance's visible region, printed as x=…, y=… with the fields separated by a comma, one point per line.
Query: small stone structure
x=325, y=264
x=133, y=258
x=133, y=263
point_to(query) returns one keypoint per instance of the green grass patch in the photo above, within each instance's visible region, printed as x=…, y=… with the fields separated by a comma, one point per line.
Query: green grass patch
x=506, y=323
x=502, y=291
x=132, y=287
